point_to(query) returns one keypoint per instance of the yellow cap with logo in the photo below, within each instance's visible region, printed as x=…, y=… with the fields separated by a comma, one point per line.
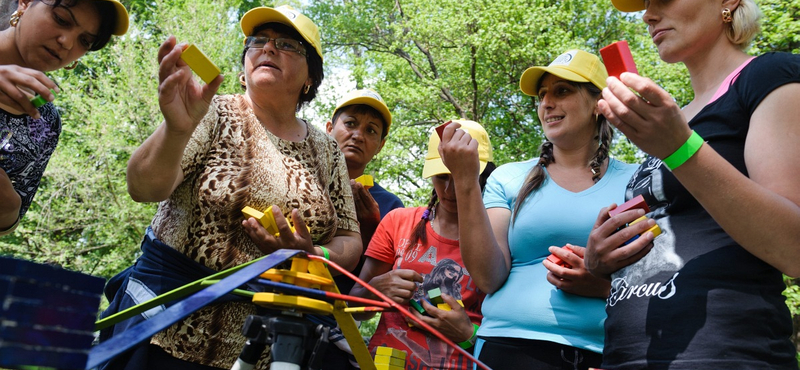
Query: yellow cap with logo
x=573, y=65
x=433, y=162
x=283, y=14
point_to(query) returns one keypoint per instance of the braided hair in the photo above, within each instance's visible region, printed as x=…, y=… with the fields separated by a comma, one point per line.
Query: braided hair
x=419, y=233
x=536, y=176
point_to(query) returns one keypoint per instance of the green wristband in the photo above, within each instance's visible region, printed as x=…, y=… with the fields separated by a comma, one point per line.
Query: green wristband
x=467, y=344
x=686, y=151
x=325, y=252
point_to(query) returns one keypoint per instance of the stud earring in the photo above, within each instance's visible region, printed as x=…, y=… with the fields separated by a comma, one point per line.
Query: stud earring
x=727, y=17
x=14, y=18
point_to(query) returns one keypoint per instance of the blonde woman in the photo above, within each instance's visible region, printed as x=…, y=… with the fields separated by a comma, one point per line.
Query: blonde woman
x=721, y=180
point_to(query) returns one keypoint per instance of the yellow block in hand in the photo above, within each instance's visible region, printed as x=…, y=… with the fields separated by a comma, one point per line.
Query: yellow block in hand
x=266, y=219
x=200, y=64
x=365, y=180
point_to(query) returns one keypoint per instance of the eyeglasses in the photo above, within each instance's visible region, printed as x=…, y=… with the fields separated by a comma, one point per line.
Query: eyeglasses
x=283, y=44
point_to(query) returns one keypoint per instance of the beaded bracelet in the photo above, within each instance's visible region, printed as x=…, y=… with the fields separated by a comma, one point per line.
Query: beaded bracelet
x=686, y=151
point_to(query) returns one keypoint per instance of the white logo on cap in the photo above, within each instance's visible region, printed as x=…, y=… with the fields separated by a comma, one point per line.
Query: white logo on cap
x=287, y=12
x=563, y=59
x=371, y=94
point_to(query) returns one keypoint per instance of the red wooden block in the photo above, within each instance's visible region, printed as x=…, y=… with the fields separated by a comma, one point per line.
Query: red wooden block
x=637, y=202
x=558, y=261
x=440, y=129
x=617, y=58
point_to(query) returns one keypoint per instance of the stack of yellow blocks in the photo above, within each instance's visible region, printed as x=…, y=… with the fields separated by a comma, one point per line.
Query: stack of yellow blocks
x=266, y=219
x=387, y=358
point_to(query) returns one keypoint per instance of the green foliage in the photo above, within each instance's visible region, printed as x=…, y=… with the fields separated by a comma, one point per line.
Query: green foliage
x=367, y=328
x=82, y=217
x=431, y=61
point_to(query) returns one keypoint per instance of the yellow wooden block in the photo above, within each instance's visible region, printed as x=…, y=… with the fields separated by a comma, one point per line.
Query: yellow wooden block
x=446, y=307
x=389, y=360
x=655, y=229
x=265, y=218
x=388, y=367
x=200, y=64
x=365, y=180
x=391, y=352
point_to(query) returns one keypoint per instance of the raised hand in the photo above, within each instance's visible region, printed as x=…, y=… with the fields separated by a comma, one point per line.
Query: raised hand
x=183, y=100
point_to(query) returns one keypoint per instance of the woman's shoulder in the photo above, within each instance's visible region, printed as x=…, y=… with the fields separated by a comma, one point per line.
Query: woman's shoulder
x=513, y=170
x=773, y=64
x=317, y=136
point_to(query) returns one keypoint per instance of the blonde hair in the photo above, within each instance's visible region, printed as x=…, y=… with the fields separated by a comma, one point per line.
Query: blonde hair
x=746, y=24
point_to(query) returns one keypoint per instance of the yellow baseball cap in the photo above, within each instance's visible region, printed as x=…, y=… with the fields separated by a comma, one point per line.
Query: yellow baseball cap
x=283, y=14
x=370, y=98
x=433, y=162
x=573, y=65
x=121, y=26
x=628, y=5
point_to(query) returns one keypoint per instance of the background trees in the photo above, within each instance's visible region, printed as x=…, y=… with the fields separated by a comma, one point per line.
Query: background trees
x=431, y=61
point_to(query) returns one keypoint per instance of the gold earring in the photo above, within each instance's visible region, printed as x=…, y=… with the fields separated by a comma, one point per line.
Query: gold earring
x=308, y=87
x=15, y=18
x=71, y=66
x=727, y=17
x=242, y=81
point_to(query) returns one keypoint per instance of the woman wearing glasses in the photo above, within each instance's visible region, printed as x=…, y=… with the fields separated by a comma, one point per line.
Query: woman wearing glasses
x=214, y=155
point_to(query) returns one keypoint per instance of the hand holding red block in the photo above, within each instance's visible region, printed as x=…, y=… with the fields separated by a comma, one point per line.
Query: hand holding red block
x=440, y=128
x=617, y=58
x=558, y=261
x=634, y=203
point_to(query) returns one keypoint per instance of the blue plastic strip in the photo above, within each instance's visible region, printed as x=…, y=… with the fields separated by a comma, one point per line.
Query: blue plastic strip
x=139, y=333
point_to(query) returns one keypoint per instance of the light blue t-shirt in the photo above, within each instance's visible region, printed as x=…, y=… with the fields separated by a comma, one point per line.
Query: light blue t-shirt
x=527, y=306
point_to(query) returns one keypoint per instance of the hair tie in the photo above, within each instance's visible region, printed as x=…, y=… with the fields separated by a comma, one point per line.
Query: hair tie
x=426, y=214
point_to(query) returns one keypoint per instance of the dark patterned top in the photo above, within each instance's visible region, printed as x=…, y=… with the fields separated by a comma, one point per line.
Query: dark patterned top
x=25, y=155
x=232, y=162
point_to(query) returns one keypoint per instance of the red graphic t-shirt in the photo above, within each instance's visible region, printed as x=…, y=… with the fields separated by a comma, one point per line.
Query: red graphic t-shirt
x=439, y=262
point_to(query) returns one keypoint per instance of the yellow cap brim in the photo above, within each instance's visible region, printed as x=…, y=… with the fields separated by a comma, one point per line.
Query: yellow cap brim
x=121, y=27
x=529, y=81
x=435, y=167
x=371, y=102
x=628, y=5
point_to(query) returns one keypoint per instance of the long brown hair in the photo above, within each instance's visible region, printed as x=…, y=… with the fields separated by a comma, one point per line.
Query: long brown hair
x=536, y=176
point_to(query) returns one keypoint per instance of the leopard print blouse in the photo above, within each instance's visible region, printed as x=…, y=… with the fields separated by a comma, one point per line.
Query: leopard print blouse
x=232, y=162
